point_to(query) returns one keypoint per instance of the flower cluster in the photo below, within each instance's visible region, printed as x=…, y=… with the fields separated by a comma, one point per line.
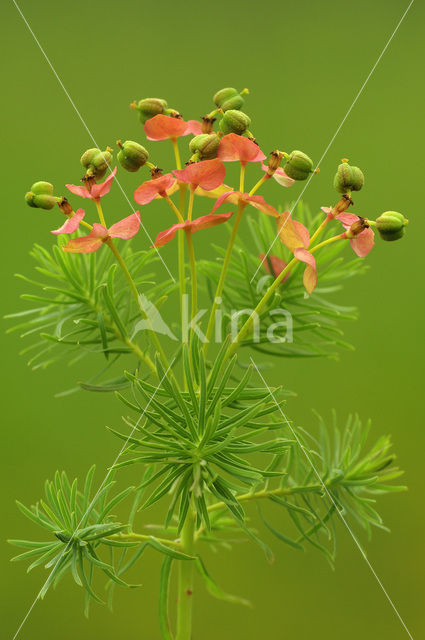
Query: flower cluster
x=204, y=175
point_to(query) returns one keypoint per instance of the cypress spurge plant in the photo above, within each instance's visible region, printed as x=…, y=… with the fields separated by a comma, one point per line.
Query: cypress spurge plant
x=210, y=438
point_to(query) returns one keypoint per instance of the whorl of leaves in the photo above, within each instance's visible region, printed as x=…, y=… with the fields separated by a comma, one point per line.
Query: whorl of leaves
x=79, y=524
x=202, y=437
x=198, y=444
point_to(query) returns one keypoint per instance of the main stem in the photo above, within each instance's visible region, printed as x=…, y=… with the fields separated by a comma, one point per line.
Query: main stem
x=185, y=584
x=194, y=286
x=180, y=236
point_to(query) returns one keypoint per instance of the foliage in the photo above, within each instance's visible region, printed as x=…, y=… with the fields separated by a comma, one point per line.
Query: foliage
x=314, y=318
x=83, y=308
x=331, y=477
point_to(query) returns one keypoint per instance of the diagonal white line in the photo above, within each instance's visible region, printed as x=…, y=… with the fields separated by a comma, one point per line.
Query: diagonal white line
x=27, y=615
x=328, y=493
x=87, y=129
x=341, y=124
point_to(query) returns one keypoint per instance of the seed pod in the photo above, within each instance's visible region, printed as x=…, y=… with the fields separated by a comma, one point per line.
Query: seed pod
x=150, y=107
x=234, y=121
x=41, y=196
x=88, y=157
x=298, y=166
x=132, y=155
x=348, y=178
x=42, y=188
x=228, y=98
x=96, y=162
x=205, y=145
x=390, y=225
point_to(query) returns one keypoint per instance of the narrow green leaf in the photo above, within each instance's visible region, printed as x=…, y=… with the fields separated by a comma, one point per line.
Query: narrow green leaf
x=164, y=585
x=214, y=589
x=168, y=551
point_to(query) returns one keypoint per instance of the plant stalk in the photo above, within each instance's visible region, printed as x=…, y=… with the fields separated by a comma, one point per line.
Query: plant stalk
x=264, y=300
x=226, y=262
x=185, y=584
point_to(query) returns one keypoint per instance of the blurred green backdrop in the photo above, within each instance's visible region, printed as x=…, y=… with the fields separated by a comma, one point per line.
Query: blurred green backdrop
x=304, y=63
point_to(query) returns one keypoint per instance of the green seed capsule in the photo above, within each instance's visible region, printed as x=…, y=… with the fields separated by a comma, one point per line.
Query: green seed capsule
x=132, y=155
x=234, y=121
x=390, y=225
x=228, y=98
x=96, y=162
x=42, y=188
x=348, y=178
x=205, y=145
x=298, y=166
x=150, y=107
x=41, y=196
x=88, y=157
x=41, y=201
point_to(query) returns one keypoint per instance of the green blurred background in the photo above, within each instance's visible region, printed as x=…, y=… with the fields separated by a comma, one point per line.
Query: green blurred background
x=304, y=63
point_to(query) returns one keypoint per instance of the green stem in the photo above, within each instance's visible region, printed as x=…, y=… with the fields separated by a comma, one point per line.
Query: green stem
x=135, y=537
x=100, y=212
x=242, y=177
x=180, y=235
x=130, y=281
x=174, y=208
x=176, y=152
x=264, y=494
x=135, y=293
x=222, y=279
x=180, y=238
x=133, y=346
x=259, y=309
x=143, y=357
x=340, y=236
x=226, y=262
x=258, y=184
x=182, y=280
x=185, y=581
x=264, y=300
x=319, y=230
x=190, y=207
x=194, y=286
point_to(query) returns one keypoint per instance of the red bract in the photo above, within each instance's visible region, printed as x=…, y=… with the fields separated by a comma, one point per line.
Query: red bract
x=153, y=188
x=71, y=224
x=277, y=265
x=361, y=244
x=233, y=147
x=204, y=222
x=297, y=238
x=207, y=174
x=162, y=127
x=124, y=229
x=255, y=201
x=279, y=175
x=94, y=192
